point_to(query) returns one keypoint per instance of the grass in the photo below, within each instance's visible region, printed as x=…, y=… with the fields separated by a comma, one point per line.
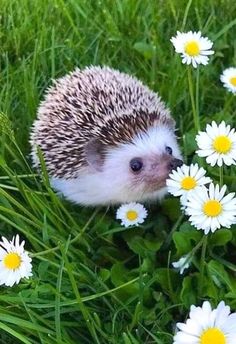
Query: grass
x=93, y=281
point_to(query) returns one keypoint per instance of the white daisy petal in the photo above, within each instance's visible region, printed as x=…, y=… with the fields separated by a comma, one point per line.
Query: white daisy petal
x=131, y=214
x=228, y=198
x=185, y=180
x=209, y=209
x=194, y=48
x=229, y=323
x=217, y=144
x=14, y=262
x=228, y=78
x=185, y=338
x=222, y=313
x=207, y=325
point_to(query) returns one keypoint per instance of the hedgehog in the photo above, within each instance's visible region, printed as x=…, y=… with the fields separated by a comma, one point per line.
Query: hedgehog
x=105, y=137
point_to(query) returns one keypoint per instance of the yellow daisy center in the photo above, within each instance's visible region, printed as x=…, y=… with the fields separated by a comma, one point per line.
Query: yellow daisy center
x=233, y=81
x=132, y=215
x=222, y=144
x=192, y=48
x=212, y=208
x=12, y=261
x=188, y=183
x=213, y=335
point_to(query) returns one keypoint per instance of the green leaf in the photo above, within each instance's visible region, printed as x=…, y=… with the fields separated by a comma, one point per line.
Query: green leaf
x=189, y=142
x=136, y=314
x=146, y=49
x=220, y=276
x=126, y=338
x=171, y=208
x=143, y=246
x=220, y=237
x=185, y=240
x=43, y=270
x=188, y=293
x=168, y=279
x=121, y=275
x=104, y=274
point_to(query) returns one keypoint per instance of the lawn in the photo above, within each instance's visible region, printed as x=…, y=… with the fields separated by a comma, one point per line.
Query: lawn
x=93, y=280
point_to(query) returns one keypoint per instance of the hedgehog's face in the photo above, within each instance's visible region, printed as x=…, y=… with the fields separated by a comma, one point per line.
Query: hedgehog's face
x=138, y=170
x=146, y=163
x=152, y=171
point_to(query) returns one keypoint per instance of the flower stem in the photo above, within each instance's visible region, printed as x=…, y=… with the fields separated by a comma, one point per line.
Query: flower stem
x=202, y=265
x=195, y=114
x=197, y=99
x=196, y=248
x=221, y=169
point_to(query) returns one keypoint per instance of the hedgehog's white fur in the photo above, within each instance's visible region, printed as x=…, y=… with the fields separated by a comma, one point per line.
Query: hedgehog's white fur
x=112, y=184
x=121, y=114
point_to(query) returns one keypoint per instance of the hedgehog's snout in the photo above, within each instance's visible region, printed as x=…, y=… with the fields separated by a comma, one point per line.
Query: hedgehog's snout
x=174, y=164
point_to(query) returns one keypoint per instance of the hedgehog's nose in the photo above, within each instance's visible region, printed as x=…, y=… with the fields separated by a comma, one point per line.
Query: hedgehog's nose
x=175, y=163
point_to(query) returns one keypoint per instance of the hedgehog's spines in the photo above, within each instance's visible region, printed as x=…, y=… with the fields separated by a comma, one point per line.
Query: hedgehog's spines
x=97, y=102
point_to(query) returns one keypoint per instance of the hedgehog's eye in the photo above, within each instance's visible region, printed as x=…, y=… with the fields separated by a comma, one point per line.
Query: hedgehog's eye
x=169, y=150
x=136, y=164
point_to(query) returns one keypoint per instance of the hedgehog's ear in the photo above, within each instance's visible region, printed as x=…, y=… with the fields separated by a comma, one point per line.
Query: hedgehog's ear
x=94, y=153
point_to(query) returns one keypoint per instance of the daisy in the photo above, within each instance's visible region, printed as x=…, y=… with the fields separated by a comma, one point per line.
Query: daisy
x=209, y=209
x=208, y=326
x=186, y=179
x=15, y=262
x=228, y=78
x=131, y=214
x=182, y=264
x=194, y=48
x=217, y=144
